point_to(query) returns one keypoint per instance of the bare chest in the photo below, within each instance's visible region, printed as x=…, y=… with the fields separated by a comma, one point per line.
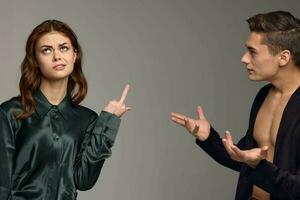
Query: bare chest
x=267, y=123
x=265, y=132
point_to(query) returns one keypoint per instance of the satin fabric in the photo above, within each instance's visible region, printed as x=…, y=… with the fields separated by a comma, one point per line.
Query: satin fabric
x=57, y=150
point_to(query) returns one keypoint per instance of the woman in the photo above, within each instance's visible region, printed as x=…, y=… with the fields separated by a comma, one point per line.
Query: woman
x=49, y=144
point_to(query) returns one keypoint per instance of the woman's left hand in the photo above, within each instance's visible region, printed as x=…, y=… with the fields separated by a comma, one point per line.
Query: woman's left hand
x=118, y=107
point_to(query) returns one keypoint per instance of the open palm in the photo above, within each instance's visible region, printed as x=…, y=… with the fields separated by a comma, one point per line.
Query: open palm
x=200, y=127
x=251, y=157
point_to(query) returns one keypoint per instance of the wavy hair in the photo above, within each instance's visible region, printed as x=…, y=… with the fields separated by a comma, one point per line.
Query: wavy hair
x=31, y=75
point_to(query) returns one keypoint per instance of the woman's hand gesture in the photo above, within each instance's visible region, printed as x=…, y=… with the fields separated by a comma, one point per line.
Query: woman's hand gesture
x=118, y=107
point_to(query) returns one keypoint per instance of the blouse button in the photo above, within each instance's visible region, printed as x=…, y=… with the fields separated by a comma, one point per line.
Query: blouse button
x=56, y=137
x=55, y=113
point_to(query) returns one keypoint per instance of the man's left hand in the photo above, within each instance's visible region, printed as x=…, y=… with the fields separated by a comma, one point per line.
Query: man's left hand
x=251, y=157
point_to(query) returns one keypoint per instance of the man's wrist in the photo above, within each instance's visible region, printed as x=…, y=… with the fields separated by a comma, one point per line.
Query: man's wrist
x=253, y=164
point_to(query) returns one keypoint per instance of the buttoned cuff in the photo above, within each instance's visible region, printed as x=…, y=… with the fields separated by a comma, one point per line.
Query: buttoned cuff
x=107, y=124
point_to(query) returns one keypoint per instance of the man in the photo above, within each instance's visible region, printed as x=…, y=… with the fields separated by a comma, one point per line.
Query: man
x=268, y=156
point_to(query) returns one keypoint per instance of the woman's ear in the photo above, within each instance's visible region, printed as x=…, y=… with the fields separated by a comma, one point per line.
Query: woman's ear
x=75, y=55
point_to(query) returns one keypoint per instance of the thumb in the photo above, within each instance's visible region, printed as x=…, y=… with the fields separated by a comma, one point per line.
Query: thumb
x=200, y=112
x=264, y=151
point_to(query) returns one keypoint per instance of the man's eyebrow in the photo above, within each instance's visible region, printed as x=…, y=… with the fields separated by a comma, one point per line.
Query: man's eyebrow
x=250, y=48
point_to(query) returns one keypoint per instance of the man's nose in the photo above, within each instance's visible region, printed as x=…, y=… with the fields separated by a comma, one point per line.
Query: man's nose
x=245, y=58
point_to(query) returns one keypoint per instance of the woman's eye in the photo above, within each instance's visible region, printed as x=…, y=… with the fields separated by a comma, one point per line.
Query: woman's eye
x=46, y=51
x=64, y=48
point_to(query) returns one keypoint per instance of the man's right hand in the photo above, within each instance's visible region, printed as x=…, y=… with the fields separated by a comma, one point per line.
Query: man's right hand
x=200, y=128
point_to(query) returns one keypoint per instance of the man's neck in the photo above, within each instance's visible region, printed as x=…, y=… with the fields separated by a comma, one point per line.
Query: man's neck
x=287, y=81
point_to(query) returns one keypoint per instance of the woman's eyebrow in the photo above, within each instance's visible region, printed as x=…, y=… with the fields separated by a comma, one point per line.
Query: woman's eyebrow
x=48, y=46
x=63, y=44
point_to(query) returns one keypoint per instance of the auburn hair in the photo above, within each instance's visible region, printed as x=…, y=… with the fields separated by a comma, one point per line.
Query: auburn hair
x=31, y=75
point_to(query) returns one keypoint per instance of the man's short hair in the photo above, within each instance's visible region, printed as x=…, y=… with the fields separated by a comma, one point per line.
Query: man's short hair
x=280, y=30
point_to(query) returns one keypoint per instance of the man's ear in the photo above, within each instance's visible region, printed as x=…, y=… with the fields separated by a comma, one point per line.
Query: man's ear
x=285, y=57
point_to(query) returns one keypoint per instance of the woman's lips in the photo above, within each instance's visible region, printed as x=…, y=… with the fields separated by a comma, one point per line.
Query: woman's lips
x=59, y=67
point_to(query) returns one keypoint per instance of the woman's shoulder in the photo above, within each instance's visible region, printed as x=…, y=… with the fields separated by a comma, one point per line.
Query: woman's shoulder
x=85, y=111
x=13, y=104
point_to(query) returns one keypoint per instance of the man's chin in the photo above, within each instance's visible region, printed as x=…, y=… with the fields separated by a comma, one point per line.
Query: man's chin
x=253, y=78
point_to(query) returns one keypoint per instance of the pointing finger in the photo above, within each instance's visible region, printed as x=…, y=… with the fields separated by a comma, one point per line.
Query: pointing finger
x=124, y=93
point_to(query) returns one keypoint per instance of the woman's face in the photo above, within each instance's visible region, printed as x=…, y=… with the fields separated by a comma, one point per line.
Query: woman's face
x=55, y=56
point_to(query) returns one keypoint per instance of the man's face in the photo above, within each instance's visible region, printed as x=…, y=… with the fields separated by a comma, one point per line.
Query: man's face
x=261, y=64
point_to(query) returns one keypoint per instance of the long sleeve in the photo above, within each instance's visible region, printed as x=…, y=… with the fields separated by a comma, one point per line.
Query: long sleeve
x=95, y=148
x=276, y=181
x=6, y=155
x=214, y=147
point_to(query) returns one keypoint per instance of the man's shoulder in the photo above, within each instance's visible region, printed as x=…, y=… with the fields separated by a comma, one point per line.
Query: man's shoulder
x=261, y=95
x=263, y=91
x=265, y=88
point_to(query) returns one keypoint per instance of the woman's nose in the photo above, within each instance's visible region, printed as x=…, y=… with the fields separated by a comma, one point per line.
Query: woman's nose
x=56, y=55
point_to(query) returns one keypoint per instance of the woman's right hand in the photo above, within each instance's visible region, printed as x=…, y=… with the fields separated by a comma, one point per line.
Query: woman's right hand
x=200, y=128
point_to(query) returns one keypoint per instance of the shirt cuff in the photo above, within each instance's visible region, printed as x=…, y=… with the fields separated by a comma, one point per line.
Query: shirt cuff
x=213, y=135
x=263, y=175
x=107, y=124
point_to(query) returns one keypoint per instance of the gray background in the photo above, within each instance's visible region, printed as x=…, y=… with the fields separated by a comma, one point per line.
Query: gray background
x=176, y=55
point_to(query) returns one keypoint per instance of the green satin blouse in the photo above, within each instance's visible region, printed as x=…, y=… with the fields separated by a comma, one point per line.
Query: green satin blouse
x=55, y=151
